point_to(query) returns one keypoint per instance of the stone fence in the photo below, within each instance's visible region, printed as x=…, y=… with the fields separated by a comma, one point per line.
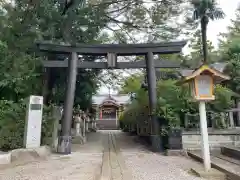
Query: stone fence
x=82, y=124
x=227, y=119
x=217, y=138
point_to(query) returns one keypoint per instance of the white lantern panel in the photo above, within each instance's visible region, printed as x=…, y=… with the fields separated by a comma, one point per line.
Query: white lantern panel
x=204, y=85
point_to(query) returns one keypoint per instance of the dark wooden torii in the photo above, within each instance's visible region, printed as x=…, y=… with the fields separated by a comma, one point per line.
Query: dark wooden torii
x=111, y=51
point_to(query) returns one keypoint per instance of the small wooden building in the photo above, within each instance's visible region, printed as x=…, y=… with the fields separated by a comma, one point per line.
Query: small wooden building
x=108, y=109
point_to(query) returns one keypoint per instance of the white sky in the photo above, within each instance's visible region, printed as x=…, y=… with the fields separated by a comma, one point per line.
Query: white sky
x=214, y=28
x=229, y=7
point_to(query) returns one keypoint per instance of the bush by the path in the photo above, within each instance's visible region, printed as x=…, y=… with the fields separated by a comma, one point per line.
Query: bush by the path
x=12, y=124
x=172, y=103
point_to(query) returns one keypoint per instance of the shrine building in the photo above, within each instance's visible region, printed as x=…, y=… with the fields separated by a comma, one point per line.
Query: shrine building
x=108, y=109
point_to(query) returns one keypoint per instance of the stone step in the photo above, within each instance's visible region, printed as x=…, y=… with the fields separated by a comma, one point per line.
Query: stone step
x=107, y=125
x=232, y=152
x=221, y=164
x=229, y=159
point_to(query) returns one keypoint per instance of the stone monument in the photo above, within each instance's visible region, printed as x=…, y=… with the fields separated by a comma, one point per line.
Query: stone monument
x=32, y=135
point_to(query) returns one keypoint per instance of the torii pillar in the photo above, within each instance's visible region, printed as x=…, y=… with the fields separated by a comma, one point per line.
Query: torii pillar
x=152, y=93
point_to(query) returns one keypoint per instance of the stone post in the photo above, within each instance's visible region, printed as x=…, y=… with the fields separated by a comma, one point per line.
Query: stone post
x=84, y=125
x=231, y=121
x=186, y=121
x=87, y=123
x=222, y=116
x=116, y=118
x=238, y=114
x=78, y=125
x=57, y=114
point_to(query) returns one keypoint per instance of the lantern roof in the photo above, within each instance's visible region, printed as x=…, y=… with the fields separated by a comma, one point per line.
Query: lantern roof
x=204, y=70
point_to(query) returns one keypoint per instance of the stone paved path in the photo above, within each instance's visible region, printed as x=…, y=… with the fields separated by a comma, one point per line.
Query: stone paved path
x=108, y=154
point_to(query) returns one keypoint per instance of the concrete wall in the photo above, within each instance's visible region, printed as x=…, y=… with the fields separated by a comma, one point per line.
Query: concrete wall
x=217, y=138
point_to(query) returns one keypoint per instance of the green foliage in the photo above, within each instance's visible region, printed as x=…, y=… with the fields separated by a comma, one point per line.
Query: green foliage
x=12, y=118
x=137, y=111
x=230, y=52
x=19, y=75
x=12, y=124
x=194, y=59
x=223, y=100
x=172, y=102
x=47, y=125
x=131, y=84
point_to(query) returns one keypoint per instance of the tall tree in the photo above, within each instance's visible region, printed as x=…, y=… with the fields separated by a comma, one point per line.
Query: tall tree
x=194, y=59
x=132, y=84
x=203, y=11
x=23, y=23
x=230, y=51
x=26, y=21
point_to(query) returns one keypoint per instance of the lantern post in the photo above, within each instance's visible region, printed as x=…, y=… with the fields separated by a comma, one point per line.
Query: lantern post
x=201, y=83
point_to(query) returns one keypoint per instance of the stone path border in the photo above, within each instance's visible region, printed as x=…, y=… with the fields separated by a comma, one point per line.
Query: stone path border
x=113, y=165
x=126, y=175
x=106, y=170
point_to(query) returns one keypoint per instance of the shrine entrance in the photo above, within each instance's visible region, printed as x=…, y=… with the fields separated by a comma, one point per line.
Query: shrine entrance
x=108, y=110
x=69, y=56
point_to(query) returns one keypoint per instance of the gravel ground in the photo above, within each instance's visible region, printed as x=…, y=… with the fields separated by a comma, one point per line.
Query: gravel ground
x=145, y=165
x=85, y=163
x=149, y=166
x=77, y=166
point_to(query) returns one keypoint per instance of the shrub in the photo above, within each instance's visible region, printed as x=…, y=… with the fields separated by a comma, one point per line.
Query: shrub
x=172, y=102
x=12, y=123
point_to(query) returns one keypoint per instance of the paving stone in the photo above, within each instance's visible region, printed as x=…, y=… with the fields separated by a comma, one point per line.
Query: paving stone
x=116, y=173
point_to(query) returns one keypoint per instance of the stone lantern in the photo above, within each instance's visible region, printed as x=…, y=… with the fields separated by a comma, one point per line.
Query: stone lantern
x=201, y=82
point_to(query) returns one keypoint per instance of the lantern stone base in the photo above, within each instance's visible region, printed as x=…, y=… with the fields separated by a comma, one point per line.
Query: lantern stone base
x=156, y=142
x=64, y=145
x=212, y=174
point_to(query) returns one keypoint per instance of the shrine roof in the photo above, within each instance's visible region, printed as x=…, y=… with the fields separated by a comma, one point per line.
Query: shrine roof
x=118, y=98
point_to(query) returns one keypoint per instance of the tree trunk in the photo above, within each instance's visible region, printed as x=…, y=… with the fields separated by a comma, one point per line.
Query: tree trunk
x=204, y=23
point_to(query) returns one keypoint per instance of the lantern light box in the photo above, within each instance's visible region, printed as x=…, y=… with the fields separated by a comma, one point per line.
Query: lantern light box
x=202, y=81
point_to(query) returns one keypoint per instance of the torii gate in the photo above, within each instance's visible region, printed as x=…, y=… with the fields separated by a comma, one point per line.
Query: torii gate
x=111, y=51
